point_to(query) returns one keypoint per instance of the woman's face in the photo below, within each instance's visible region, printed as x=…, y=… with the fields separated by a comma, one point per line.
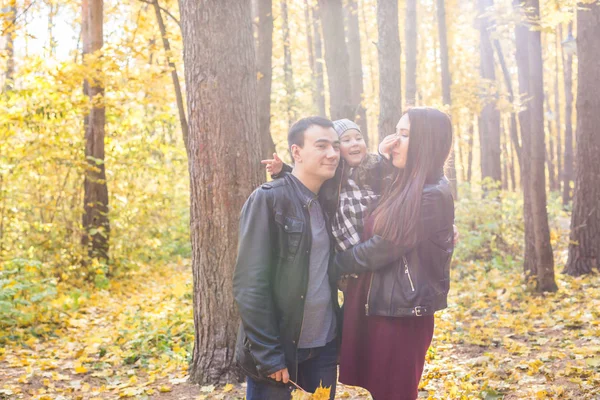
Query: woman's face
x=352, y=147
x=400, y=151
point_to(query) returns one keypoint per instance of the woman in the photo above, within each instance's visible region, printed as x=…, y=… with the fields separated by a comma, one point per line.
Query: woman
x=403, y=265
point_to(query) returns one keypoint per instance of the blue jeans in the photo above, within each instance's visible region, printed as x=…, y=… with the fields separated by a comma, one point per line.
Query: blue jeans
x=317, y=366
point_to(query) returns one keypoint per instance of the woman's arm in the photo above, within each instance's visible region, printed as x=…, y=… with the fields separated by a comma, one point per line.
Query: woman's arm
x=378, y=252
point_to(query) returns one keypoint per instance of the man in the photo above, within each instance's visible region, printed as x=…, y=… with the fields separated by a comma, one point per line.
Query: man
x=285, y=294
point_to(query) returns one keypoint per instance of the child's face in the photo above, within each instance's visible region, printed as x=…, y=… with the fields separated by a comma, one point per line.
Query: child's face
x=353, y=147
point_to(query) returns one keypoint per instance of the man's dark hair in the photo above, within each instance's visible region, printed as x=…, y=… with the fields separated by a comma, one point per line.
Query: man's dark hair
x=296, y=133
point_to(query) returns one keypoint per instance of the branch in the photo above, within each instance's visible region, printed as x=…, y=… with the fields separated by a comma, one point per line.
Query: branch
x=14, y=21
x=165, y=11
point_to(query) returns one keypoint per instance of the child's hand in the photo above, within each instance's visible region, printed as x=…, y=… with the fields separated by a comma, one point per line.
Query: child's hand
x=387, y=144
x=274, y=165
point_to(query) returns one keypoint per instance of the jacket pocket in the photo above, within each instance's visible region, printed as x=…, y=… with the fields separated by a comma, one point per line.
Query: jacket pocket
x=293, y=229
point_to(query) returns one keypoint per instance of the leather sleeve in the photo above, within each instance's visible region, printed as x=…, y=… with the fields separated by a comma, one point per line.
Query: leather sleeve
x=377, y=252
x=252, y=283
x=286, y=169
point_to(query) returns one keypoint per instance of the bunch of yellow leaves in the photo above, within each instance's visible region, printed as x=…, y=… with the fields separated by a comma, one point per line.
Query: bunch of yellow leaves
x=320, y=394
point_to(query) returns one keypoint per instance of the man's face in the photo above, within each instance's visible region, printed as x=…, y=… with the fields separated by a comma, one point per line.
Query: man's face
x=321, y=152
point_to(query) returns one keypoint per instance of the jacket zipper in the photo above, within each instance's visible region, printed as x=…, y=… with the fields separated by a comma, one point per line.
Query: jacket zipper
x=306, y=288
x=368, y=295
x=407, y=272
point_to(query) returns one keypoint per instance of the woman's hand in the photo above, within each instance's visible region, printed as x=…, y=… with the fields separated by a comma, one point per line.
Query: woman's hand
x=274, y=165
x=387, y=144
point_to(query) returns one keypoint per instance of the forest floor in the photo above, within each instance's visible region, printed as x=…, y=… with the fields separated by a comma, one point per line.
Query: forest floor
x=496, y=340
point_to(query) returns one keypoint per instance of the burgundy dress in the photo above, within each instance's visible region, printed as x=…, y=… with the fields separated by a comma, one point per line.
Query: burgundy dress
x=384, y=355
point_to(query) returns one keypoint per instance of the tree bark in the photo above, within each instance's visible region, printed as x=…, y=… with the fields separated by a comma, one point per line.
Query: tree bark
x=568, y=166
x=264, y=53
x=288, y=70
x=356, y=68
x=224, y=168
x=410, y=40
x=336, y=58
x=174, y=75
x=490, y=117
x=470, y=156
x=95, y=198
x=584, y=244
x=319, y=62
x=544, y=272
x=388, y=46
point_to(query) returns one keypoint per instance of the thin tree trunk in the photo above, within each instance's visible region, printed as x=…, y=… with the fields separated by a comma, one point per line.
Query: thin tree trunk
x=264, y=66
x=388, y=46
x=366, y=24
x=558, y=152
x=356, y=68
x=311, y=55
x=544, y=258
x=319, y=62
x=95, y=201
x=490, y=117
x=224, y=168
x=288, y=71
x=411, y=52
x=550, y=148
x=446, y=86
x=470, y=147
x=505, y=179
x=174, y=76
x=584, y=244
x=514, y=134
x=11, y=18
x=568, y=78
x=336, y=58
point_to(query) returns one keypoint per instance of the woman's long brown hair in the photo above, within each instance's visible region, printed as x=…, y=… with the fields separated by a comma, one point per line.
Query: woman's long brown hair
x=397, y=216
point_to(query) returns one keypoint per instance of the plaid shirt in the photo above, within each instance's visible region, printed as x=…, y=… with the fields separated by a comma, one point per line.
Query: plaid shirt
x=354, y=204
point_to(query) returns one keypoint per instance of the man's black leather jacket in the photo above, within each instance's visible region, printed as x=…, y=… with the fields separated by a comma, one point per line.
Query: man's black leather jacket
x=409, y=281
x=271, y=277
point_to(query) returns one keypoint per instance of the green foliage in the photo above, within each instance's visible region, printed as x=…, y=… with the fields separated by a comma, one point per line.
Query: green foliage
x=25, y=294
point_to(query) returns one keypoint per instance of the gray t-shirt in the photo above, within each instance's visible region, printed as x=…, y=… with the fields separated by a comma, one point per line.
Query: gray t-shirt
x=319, y=324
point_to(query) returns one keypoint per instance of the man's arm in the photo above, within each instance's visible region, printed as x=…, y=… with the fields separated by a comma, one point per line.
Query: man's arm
x=252, y=284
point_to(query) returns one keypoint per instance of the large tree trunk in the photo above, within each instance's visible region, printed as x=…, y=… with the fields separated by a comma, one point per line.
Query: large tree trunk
x=410, y=45
x=568, y=171
x=224, y=168
x=356, y=69
x=446, y=86
x=11, y=20
x=174, y=76
x=584, y=246
x=264, y=52
x=388, y=46
x=288, y=71
x=490, y=117
x=95, y=198
x=336, y=58
x=316, y=20
x=544, y=267
x=522, y=57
